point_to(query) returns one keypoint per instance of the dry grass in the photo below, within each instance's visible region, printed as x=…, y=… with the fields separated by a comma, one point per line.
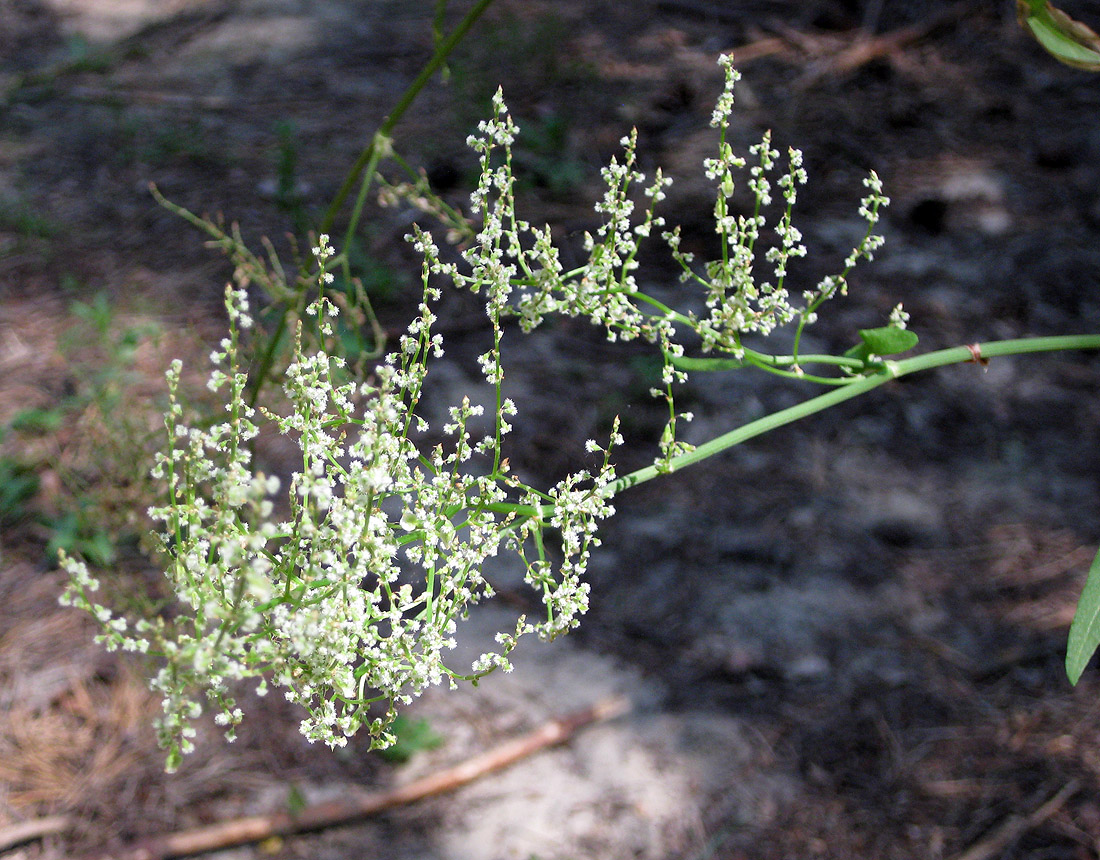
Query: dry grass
x=29, y=359
x=73, y=722
x=76, y=722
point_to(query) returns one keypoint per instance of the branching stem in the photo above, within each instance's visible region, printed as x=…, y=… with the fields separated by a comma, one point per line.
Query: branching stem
x=890, y=370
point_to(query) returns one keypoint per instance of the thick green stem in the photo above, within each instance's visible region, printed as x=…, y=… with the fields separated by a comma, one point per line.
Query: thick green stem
x=978, y=352
x=890, y=370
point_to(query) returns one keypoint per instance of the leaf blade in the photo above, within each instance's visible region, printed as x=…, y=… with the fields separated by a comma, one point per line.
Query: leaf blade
x=888, y=340
x=1069, y=41
x=1084, y=632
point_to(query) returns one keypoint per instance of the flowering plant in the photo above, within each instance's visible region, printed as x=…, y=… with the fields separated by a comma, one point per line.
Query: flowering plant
x=348, y=594
x=354, y=598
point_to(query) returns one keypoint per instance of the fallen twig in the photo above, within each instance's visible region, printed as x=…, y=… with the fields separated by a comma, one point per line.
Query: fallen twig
x=26, y=831
x=241, y=831
x=864, y=50
x=1016, y=826
x=763, y=47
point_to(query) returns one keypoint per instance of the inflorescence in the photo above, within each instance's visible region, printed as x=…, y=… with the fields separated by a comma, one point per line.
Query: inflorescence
x=350, y=599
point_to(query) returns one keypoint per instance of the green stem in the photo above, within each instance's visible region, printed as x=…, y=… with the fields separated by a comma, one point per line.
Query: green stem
x=776, y=364
x=890, y=370
x=764, y=362
x=385, y=130
x=859, y=385
x=366, y=157
x=377, y=148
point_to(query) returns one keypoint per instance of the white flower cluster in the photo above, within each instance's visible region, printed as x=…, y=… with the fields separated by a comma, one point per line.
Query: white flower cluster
x=520, y=271
x=740, y=303
x=350, y=601
x=355, y=597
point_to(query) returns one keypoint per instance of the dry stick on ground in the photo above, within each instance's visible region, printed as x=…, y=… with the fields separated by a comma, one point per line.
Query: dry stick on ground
x=241, y=831
x=864, y=50
x=26, y=831
x=1016, y=826
x=763, y=47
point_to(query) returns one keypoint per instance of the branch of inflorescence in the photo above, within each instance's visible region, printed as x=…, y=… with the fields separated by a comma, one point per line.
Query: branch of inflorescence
x=973, y=353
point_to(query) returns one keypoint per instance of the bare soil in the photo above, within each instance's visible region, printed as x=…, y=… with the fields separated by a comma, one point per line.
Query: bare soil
x=843, y=640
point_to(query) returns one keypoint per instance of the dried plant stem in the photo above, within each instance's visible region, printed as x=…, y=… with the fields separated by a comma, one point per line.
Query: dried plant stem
x=241, y=831
x=1017, y=825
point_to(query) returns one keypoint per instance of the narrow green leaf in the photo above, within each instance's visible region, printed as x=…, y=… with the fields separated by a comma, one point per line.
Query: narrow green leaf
x=1084, y=632
x=1066, y=39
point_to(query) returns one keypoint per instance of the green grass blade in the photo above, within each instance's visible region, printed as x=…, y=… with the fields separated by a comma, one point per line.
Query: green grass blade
x=1084, y=633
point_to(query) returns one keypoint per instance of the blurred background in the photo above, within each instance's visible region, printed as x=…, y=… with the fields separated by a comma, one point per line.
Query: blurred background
x=844, y=639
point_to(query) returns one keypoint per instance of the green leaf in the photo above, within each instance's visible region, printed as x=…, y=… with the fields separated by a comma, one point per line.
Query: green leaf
x=1067, y=40
x=412, y=737
x=37, y=420
x=888, y=340
x=1084, y=632
x=73, y=533
x=295, y=800
x=18, y=484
